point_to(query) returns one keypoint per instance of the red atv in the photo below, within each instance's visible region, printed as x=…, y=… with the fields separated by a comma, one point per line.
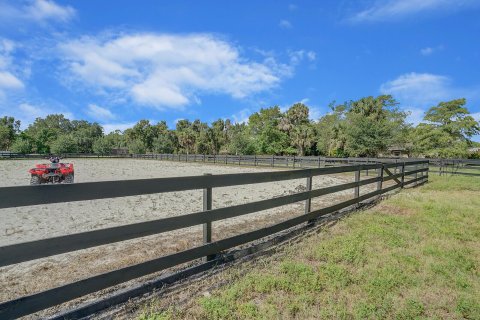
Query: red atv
x=54, y=172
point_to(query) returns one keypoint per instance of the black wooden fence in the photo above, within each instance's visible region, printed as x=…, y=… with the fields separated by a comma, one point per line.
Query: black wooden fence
x=247, y=160
x=409, y=173
x=468, y=167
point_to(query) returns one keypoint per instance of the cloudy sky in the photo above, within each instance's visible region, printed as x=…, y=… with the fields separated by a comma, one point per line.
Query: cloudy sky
x=115, y=62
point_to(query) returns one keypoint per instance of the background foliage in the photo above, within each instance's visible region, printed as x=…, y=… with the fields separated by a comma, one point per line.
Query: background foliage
x=369, y=127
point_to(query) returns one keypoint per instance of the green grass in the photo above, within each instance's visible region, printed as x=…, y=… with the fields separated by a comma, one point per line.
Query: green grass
x=414, y=256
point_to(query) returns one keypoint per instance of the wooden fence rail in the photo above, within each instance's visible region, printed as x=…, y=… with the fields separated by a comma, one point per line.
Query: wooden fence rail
x=468, y=167
x=34, y=195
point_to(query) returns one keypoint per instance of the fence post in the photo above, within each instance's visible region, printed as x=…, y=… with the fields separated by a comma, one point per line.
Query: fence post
x=427, y=165
x=207, y=227
x=380, y=175
x=239, y=160
x=421, y=173
x=356, y=191
x=319, y=161
x=403, y=174
x=294, y=161
x=273, y=160
x=308, y=202
x=416, y=174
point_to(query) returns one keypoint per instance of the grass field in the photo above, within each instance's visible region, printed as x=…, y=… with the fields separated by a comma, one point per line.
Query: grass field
x=415, y=255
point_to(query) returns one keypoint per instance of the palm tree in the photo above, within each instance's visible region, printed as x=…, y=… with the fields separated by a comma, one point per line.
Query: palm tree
x=302, y=137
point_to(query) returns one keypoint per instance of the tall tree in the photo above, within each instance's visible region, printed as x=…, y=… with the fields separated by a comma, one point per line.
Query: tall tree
x=265, y=130
x=143, y=131
x=298, y=114
x=85, y=134
x=9, y=128
x=447, y=130
x=187, y=139
x=372, y=125
x=64, y=144
x=44, y=131
x=331, y=132
x=240, y=140
x=220, y=134
x=296, y=124
x=302, y=137
x=166, y=142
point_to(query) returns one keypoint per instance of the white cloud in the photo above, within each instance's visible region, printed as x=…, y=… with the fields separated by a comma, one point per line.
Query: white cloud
x=32, y=111
x=36, y=11
x=241, y=116
x=168, y=71
x=311, y=55
x=285, y=24
x=430, y=50
x=304, y=100
x=315, y=114
x=419, y=89
x=99, y=113
x=8, y=79
x=476, y=116
x=388, y=10
x=41, y=10
x=415, y=115
x=298, y=56
x=426, y=51
x=292, y=7
x=110, y=127
x=27, y=113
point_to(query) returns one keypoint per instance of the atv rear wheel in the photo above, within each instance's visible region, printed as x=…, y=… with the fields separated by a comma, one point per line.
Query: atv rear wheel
x=35, y=180
x=69, y=178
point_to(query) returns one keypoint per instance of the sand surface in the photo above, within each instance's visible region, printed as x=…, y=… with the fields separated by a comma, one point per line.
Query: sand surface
x=42, y=221
x=45, y=221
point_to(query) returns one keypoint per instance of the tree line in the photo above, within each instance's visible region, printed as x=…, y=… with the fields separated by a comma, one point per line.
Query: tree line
x=365, y=127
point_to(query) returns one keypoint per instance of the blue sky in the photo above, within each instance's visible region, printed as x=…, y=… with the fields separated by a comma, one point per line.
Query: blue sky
x=116, y=62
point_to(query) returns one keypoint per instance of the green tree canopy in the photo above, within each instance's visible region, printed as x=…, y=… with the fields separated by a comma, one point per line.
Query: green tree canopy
x=331, y=132
x=64, y=144
x=446, y=131
x=9, y=128
x=363, y=127
x=268, y=137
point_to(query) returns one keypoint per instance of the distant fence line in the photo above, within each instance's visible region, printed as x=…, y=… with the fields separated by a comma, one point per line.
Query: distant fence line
x=468, y=167
x=409, y=173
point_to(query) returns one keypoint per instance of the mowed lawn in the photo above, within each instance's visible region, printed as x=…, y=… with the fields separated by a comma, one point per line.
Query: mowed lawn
x=415, y=255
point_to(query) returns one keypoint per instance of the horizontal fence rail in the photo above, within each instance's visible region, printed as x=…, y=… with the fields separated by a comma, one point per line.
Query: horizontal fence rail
x=34, y=195
x=468, y=167
x=415, y=171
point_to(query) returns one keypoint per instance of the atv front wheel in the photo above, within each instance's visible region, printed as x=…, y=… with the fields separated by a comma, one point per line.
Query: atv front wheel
x=69, y=178
x=35, y=180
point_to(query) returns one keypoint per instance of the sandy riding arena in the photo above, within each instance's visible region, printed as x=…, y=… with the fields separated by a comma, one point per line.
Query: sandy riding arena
x=44, y=221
